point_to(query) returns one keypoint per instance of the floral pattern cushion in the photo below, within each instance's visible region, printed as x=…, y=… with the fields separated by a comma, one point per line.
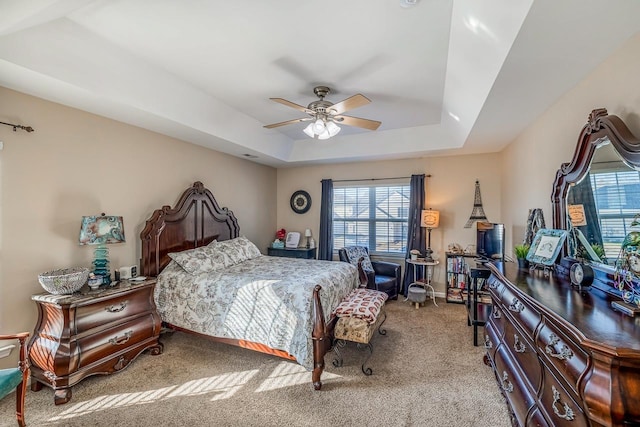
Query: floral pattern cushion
x=199, y=260
x=354, y=253
x=355, y=329
x=236, y=250
x=362, y=303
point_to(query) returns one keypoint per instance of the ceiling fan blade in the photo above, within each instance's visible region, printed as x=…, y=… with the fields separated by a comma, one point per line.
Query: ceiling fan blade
x=356, y=121
x=288, y=122
x=350, y=103
x=290, y=104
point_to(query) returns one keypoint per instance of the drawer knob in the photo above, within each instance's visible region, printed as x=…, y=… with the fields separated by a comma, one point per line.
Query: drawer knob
x=121, y=340
x=516, y=306
x=506, y=384
x=568, y=412
x=518, y=345
x=117, y=308
x=496, y=313
x=564, y=354
x=487, y=343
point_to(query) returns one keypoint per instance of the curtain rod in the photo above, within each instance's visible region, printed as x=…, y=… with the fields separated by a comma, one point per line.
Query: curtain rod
x=375, y=179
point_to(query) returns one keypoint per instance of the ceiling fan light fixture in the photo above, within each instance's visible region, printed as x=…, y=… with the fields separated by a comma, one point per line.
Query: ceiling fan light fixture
x=309, y=130
x=319, y=126
x=332, y=128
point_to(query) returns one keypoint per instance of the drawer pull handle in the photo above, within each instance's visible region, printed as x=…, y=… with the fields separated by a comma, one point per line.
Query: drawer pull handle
x=118, y=308
x=506, y=384
x=496, y=313
x=568, y=412
x=516, y=306
x=121, y=340
x=565, y=352
x=487, y=343
x=493, y=284
x=518, y=345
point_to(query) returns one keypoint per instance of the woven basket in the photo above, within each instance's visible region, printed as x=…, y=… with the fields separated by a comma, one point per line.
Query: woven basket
x=64, y=281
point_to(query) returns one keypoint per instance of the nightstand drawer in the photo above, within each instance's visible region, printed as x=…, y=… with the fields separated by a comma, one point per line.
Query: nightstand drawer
x=109, y=310
x=112, y=340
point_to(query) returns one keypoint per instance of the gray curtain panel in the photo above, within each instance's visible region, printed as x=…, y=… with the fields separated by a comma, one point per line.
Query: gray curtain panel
x=325, y=240
x=416, y=236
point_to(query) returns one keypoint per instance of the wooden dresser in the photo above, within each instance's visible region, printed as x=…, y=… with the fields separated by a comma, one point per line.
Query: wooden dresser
x=561, y=356
x=90, y=333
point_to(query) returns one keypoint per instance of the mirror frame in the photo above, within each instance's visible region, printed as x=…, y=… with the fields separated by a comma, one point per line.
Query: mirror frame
x=600, y=128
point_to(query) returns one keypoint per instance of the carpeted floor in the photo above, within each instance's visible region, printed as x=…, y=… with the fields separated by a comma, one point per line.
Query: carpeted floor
x=426, y=372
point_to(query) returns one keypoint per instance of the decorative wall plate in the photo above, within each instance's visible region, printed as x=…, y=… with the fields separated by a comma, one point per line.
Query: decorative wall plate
x=300, y=201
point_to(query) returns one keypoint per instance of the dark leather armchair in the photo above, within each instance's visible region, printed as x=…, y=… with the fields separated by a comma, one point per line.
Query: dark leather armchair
x=382, y=276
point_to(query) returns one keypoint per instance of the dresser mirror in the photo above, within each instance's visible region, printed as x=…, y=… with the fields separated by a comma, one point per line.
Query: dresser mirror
x=600, y=191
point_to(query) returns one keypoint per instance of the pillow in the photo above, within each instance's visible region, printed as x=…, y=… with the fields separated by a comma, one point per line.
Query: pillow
x=362, y=303
x=236, y=250
x=199, y=260
x=354, y=253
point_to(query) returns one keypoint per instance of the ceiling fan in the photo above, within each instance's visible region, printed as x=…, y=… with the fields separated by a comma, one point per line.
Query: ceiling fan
x=324, y=114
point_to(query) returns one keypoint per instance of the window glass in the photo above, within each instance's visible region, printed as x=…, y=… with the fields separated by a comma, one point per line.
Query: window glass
x=617, y=197
x=375, y=217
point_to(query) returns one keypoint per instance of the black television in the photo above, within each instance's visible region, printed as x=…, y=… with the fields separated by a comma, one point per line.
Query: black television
x=490, y=240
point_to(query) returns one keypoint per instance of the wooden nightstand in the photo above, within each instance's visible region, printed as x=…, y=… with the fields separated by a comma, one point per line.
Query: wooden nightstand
x=292, y=253
x=90, y=333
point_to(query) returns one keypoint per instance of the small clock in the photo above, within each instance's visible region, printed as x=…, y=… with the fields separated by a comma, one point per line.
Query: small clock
x=300, y=201
x=581, y=274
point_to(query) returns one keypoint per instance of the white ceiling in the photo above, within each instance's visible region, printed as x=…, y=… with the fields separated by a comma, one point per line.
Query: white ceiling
x=444, y=76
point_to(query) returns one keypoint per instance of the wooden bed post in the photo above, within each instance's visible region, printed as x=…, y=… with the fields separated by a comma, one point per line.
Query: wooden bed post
x=321, y=337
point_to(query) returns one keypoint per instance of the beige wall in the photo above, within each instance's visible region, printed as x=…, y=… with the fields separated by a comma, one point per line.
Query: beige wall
x=531, y=161
x=450, y=190
x=76, y=164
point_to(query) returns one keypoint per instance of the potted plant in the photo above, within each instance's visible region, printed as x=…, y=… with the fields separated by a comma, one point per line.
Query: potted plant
x=521, y=252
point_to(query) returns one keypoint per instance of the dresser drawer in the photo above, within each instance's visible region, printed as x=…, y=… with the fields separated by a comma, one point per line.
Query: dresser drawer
x=497, y=318
x=563, y=354
x=520, y=310
x=558, y=404
x=112, y=340
x=112, y=309
x=513, y=385
x=491, y=340
x=524, y=353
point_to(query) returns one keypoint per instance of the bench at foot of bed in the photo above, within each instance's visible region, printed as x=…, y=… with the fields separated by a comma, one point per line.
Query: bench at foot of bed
x=359, y=316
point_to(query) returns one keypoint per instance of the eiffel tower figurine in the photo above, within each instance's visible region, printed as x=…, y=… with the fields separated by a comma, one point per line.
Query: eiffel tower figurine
x=477, y=214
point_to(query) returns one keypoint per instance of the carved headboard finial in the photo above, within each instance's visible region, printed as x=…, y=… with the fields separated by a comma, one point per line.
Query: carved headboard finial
x=593, y=122
x=199, y=186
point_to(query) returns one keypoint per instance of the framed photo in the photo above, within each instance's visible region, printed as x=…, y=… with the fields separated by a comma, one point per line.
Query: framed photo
x=546, y=246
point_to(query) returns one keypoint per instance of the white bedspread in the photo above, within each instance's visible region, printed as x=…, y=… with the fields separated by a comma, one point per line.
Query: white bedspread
x=267, y=300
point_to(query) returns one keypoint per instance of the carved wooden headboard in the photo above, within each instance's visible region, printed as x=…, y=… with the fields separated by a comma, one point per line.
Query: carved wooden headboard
x=196, y=220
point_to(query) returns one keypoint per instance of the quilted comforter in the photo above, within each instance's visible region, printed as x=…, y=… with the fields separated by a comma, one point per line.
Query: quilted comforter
x=266, y=299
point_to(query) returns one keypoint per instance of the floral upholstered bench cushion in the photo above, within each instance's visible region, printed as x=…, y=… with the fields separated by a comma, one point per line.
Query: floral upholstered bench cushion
x=355, y=329
x=364, y=304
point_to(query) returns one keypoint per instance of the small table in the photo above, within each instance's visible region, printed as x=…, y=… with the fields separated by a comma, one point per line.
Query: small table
x=306, y=253
x=427, y=273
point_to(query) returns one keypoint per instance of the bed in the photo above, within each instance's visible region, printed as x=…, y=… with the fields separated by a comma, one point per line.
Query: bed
x=278, y=306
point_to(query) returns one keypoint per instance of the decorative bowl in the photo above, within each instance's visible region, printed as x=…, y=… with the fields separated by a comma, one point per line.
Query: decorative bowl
x=64, y=281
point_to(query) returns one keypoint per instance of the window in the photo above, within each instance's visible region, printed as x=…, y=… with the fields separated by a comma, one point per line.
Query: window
x=617, y=197
x=375, y=217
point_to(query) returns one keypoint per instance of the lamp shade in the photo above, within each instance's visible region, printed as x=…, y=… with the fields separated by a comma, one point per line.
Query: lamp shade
x=307, y=232
x=100, y=230
x=430, y=219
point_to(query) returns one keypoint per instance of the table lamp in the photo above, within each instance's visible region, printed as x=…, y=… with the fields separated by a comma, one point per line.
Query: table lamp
x=430, y=220
x=307, y=234
x=101, y=231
